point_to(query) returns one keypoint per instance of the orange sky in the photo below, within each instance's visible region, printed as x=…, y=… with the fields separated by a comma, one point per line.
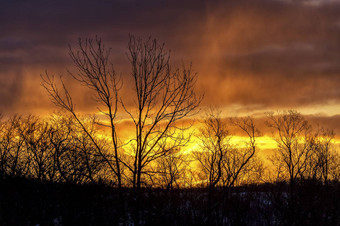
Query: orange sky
x=252, y=56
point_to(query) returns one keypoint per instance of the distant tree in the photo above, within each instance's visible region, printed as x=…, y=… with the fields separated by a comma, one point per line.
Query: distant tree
x=171, y=169
x=221, y=162
x=323, y=155
x=13, y=159
x=38, y=150
x=293, y=150
x=60, y=138
x=75, y=156
x=214, y=145
x=56, y=150
x=241, y=162
x=254, y=172
x=334, y=168
x=7, y=136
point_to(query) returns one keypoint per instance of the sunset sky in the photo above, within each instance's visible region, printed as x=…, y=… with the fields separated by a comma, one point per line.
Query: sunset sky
x=251, y=56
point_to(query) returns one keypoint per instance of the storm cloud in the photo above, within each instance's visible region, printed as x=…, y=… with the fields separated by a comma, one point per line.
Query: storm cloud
x=257, y=54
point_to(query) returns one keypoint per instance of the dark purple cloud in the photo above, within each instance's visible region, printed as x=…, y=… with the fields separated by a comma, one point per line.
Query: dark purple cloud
x=250, y=52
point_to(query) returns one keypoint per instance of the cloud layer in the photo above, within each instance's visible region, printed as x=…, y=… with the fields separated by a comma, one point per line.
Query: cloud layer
x=258, y=54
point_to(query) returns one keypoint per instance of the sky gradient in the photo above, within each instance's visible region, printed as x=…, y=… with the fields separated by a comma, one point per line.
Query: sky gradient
x=251, y=56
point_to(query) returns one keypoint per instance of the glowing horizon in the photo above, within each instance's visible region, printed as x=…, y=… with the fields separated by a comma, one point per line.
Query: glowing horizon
x=251, y=57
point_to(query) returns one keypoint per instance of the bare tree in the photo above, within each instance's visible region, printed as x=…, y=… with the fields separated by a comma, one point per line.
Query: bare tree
x=7, y=136
x=75, y=157
x=96, y=73
x=60, y=133
x=38, y=150
x=171, y=169
x=13, y=160
x=163, y=96
x=292, y=132
x=220, y=161
x=254, y=172
x=214, y=140
x=322, y=156
x=334, y=168
x=240, y=161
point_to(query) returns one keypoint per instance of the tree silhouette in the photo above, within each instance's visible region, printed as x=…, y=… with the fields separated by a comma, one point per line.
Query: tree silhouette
x=75, y=155
x=163, y=96
x=13, y=154
x=292, y=134
x=214, y=144
x=171, y=169
x=323, y=158
x=241, y=160
x=220, y=161
x=38, y=149
x=95, y=72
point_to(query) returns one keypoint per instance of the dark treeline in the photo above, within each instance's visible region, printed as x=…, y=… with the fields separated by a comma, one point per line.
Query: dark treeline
x=72, y=170
x=51, y=173
x=55, y=150
x=30, y=202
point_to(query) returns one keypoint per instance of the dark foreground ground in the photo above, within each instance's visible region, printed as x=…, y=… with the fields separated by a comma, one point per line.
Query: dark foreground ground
x=29, y=202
